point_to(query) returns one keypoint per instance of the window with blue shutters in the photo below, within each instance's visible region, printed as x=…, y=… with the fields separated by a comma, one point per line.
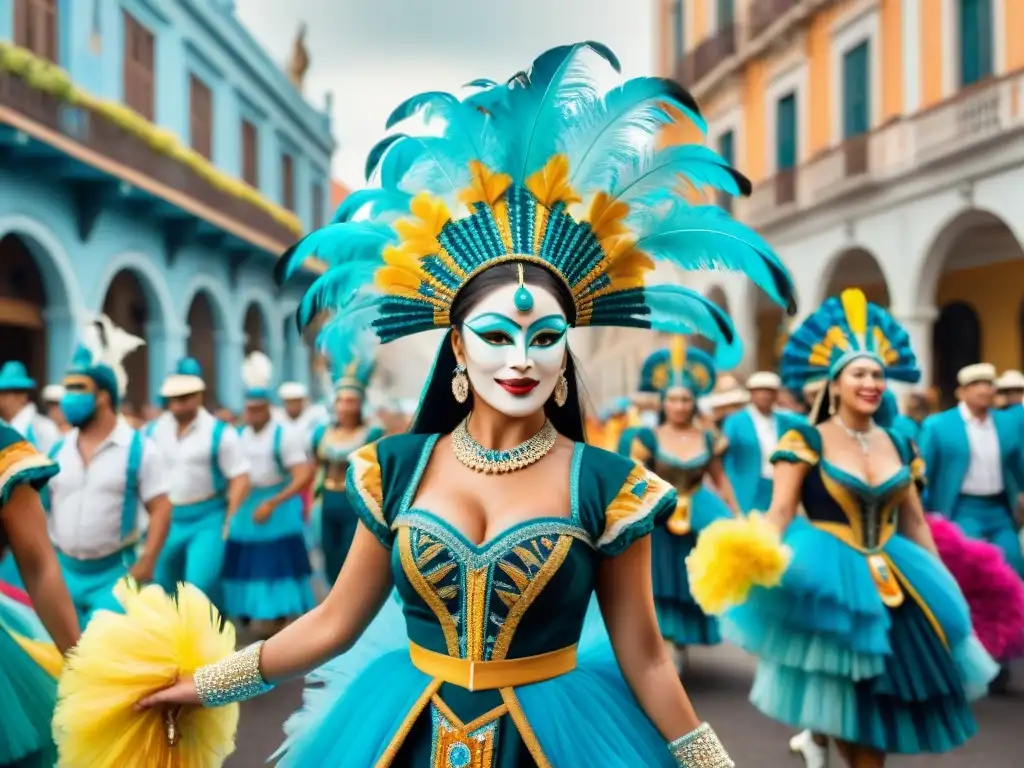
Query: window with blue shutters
x=975, y=40
x=726, y=13
x=679, y=29
x=727, y=149
x=786, y=133
x=856, y=91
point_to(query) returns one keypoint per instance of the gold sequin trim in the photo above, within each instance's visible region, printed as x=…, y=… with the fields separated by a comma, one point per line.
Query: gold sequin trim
x=793, y=442
x=410, y=720
x=515, y=711
x=426, y=591
x=366, y=471
x=637, y=498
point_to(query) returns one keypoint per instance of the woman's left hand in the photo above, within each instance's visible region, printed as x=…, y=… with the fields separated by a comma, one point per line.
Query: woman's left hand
x=181, y=692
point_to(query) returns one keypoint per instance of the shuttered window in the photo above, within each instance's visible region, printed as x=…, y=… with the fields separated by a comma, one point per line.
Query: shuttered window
x=250, y=155
x=856, y=91
x=727, y=149
x=317, y=198
x=726, y=13
x=201, y=117
x=35, y=27
x=288, y=182
x=786, y=133
x=975, y=40
x=139, y=58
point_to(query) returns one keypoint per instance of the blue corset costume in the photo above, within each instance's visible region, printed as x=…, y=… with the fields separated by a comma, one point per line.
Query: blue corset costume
x=680, y=618
x=491, y=655
x=868, y=639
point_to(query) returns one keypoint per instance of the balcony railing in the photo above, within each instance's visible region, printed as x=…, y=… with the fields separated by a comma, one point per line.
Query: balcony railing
x=764, y=13
x=707, y=56
x=98, y=134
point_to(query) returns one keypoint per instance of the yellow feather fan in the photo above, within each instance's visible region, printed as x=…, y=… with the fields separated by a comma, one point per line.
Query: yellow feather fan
x=123, y=657
x=733, y=556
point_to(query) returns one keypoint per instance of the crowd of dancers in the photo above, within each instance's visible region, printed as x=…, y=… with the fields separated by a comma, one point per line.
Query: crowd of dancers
x=511, y=580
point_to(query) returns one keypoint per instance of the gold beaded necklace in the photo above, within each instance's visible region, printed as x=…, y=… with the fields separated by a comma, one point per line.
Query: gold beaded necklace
x=490, y=462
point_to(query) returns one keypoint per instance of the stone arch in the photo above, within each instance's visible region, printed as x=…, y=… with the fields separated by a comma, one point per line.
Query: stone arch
x=855, y=267
x=957, y=341
x=126, y=303
x=256, y=327
x=32, y=258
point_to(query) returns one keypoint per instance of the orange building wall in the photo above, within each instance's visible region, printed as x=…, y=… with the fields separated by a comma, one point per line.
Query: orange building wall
x=996, y=292
x=931, y=52
x=891, y=23
x=754, y=122
x=819, y=77
x=1013, y=11
x=700, y=22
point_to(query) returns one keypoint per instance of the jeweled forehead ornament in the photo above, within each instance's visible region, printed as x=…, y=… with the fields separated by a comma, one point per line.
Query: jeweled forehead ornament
x=553, y=168
x=523, y=299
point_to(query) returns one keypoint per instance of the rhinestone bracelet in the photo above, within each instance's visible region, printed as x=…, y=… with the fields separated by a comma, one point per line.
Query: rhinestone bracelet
x=700, y=748
x=232, y=679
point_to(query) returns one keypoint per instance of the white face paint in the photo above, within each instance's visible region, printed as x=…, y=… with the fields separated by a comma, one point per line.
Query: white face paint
x=514, y=358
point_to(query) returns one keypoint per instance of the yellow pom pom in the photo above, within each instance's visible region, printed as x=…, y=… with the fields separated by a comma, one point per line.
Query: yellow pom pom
x=120, y=659
x=731, y=557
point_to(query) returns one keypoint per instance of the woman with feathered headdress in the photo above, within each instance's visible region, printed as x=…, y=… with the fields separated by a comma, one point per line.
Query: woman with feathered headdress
x=352, y=367
x=544, y=204
x=682, y=452
x=267, y=576
x=867, y=640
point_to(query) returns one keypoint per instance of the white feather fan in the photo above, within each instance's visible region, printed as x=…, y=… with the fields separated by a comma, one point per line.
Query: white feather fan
x=110, y=345
x=257, y=371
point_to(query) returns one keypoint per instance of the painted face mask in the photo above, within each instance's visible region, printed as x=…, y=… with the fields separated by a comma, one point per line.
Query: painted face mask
x=78, y=407
x=515, y=348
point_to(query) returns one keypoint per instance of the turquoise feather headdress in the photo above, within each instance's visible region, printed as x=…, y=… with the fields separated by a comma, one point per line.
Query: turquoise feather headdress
x=678, y=366
x=841, y=330
x=351, y=360
x=551, y=168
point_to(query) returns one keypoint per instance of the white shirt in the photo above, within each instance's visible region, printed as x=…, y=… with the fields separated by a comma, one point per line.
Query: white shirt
x=45, y=432
x=188, y=457
x=985, y=472
x=767, y=437
x=86, y=501
x=259, y=451
x=307, y=421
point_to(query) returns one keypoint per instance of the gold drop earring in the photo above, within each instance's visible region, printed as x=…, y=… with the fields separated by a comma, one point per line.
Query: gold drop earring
x=832, y=404
x=561, y=390
x=460, y=384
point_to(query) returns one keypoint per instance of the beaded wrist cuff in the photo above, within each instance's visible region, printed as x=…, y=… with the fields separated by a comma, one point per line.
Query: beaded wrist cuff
x=700, y=748
x=233, y=679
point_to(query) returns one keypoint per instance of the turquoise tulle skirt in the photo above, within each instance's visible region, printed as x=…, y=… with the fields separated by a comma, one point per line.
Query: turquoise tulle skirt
x=836, y=660
x=680, y=618
x=356, y=704
x=27, y=693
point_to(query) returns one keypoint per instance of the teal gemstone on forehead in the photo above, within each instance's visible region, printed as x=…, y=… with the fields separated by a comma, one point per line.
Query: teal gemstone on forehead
x=523, y=299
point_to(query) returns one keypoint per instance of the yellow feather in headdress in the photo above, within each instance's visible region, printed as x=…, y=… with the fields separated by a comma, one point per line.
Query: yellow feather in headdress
x=122, y=657
x=855, y=306
x=486, y=186
x=550, y=184
x=677, y=353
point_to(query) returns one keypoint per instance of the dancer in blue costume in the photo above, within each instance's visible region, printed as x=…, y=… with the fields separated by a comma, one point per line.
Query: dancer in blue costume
x=543, y=205
x=29, y=662
x=682, y=453
x=334, y=443
x=974, y=457
x=751, y=433
x=267, y=576
x=868, y=639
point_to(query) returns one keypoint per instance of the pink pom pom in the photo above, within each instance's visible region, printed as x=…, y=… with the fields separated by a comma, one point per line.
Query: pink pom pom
x=15, y=594
x=994, y=591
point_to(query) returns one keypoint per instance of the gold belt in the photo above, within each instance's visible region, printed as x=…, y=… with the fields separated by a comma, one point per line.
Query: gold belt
x=490, y=675
x=882, y=571
x=679, y=523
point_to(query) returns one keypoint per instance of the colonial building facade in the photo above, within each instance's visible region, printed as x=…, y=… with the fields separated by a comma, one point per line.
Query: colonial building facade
x=884, y=139
x=154, y=162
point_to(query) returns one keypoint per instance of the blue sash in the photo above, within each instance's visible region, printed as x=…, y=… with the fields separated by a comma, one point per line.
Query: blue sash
x=30, y=435
x=220, y=483
x=278, y=436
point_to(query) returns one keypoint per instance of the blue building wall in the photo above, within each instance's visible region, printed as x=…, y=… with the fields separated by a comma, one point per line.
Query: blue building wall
x=200, y=37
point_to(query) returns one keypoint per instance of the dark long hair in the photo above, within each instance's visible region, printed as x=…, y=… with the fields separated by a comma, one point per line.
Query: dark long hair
x=439, y=412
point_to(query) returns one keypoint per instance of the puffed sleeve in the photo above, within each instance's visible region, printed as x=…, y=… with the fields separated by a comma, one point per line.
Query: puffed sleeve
x=639, y=444
x=799, y=444
x=621, y=500
x=21, y=464
x=364, y=486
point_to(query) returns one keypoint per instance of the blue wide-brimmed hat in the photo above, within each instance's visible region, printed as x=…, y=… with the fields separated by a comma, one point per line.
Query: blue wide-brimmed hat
x=14, y=377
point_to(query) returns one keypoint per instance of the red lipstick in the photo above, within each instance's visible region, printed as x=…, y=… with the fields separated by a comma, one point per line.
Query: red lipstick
x=518, y=387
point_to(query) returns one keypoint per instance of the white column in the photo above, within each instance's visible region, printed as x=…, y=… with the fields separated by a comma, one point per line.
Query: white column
x=919, y=324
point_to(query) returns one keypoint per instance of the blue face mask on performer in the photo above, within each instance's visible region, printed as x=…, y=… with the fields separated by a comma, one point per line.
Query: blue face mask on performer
x=78, y=407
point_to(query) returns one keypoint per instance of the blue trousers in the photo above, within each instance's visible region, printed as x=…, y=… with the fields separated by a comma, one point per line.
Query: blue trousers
x=91, y=582
x=989, y=519
x=763, y=495
x=194, y=550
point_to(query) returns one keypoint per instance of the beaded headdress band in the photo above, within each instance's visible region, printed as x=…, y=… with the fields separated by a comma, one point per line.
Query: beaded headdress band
x=678, y=366
x=553, y=169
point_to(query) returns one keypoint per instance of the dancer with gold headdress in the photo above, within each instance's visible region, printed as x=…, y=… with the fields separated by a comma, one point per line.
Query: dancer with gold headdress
x=333, y=444
x=868, y=639
x=543, y=205
x=682, y=452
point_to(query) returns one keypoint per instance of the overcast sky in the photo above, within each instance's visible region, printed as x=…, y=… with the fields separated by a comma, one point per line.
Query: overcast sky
x=372, y=54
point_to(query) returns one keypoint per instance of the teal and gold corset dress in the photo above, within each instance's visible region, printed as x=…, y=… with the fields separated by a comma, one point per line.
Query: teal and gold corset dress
x=868, y=639
x=337, y=519
x=492, y=655
x=680, y=618
x=28, y=675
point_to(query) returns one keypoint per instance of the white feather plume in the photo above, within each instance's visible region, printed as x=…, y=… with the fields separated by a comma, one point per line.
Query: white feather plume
x=257, y=371
x=110, y=345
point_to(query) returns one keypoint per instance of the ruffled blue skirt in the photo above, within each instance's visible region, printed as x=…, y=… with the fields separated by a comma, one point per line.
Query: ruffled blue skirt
x=836, y=660
x=266, y=573
x=357, y=703
x=680, y=618
x=28, y=693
